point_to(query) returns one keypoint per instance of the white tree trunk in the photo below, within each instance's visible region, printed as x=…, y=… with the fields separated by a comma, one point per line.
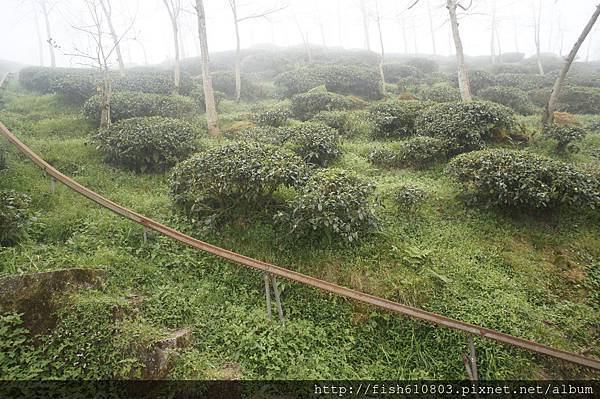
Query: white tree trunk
x=493, y=38
x=107, y=9
x=556, y=89
x=238, y=53
x=381, y=61
x=365, y=22
x=38, y=33
x=173, y=14
x=212, y=117
x=463, y=78
x=536, y=24
x=48, y=33
x=431, y=29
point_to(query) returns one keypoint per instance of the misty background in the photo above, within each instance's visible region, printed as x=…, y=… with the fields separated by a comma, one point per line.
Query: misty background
x=330, y=23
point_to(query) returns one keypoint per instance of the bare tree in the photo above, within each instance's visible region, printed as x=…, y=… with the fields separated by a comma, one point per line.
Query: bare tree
x=515, y=33
x=463, y=78
x=558, y=84
x=431, y=29
x=381, y=61
x=107, y=9
x=365, y=22
x=305, y=40
x=174, y=9
x=537, y=19
x=339, y=23
x=39, y=35
x=46, y=12
x=493, y=38
x=212, y=117
x=237, y=19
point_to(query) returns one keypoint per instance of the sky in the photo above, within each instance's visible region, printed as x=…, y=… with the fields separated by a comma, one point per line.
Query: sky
x=333, y=23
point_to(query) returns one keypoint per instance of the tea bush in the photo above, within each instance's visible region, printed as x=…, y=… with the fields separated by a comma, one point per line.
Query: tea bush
x=417, y=152
x=2, y=157
x=521, y=81
x=262, y=134
x=395, y=71
x=76, y=85
x=272, y=117
x=392, y=120
x=441, y=92
x=511, y=97
x=573, y=99
x=315, y=142
x=333, y=203
x=306, y=105
x=126, y=105
x=407, y=196
x=564, y=135
x=524, y=180
x=423, y=65
x=466, y=126
x=16, y=216
x=347, y=123
x=197, y=94
x=224, y=82
x=236, y=178
x=147, y=143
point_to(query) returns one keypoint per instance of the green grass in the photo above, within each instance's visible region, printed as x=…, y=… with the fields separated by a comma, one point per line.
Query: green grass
x=533, y=276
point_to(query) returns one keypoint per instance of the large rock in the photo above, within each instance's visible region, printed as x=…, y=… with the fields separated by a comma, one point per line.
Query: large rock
x=158, y=357
x=38, y=295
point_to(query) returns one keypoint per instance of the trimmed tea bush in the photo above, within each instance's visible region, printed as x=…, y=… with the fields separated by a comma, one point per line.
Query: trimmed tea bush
x=148, y=143
x=315, y=142
x=342, y=79
x=333, y=203
x=272, y=117
x=306, y=105
x=262, y=134
x=440, y=93
x=407, y=196
x=524, y=180
x=423, y=65
x=347, y=123
x=522, y=81
x=197, y=94
x=16, y=216
x=573, y=99
x=394, y=72
x=564, y=135
x=76, y=85
x=2, y=157
x=224, y=82
x=126, y=105
x=237, y=178
x=511, y=97
x=466, y=126
x=417, y=152
x=394, y=120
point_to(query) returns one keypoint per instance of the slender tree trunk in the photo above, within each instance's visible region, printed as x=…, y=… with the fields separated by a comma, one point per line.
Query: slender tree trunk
x=339, y=23
x=382, y=60
x=48, y=33
x=404, y=36
x=182, y=44
x=238, y=51
x=39, y=35
x=105, y=98
x=515, y=33
x=536, y=24
x=463, y=78
x=415, y=38
x=365, y=21
x=431, y=29
x=173, y=14
x=493, y=39
x=107, y=9
x=556, y=89
x=499, y=45
x=209, y=95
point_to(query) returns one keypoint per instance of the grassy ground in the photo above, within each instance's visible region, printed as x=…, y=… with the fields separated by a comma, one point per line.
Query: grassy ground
x=533, y=276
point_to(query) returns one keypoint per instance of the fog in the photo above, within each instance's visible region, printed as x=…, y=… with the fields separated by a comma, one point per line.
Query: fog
x=332, y=23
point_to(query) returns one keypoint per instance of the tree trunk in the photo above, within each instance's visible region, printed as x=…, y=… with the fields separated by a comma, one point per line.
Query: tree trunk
x=404, y=36
x=48, y=33
x=339, y=23
x=173, y=14
x=415, y=38
x=105, y=97
x=39, y=35
x=238, y=54
x=381, y=73
x=556, y=89
x=431, y=30
x=113, y=34
x=493, y=39
x=209, y=95
x=536, y=24
x=463, y=78
x=365, y=21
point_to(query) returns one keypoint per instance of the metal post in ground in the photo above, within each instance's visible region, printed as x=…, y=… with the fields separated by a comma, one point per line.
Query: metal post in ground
x=268, y=295
x=278, y=299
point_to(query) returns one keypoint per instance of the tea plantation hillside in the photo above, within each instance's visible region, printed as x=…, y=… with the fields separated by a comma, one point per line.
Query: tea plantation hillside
x=470, y=210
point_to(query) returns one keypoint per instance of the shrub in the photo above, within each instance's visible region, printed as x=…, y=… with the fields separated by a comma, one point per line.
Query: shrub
x=224, y=82
x=466, y=126
x=236, y=178
x=126, y=105
x=150, y=80
x=423, y=65
x=315, y=142
x=197, y=94
x=573, y=99
x=417, y=152
x=334, y=203
x=76, y=85
x=510, y=68
x=147, y=143
x=16, y=216
x=564, y=135
x=521, y=81
x=394, y=72
x=306, y=105
x=342, y=79
x=479, y=80
x=272, y=117
x=526, y=180
x=512, y=57
x=440, y=92
x=407, y=196
x=2, y=157
x=393, y=120
x=262, y=134
x=511, y=97
x=347, y=123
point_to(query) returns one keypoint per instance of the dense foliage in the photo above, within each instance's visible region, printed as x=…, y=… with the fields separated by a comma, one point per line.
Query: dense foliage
x=392, y=120
x=224, y=82
x=565, y=135
x=306, y=105
x=236, y=178
x=466, y=126
x=573, y=99
x=16, y=216
x=334, y=203
x=417, y=152
x=423, y=65
x=315, y=142
x=147, y=143
x=347, y=123
x=525, y=180
x=407, y=196
x=511, y=97
x=396, y=71
x=272, y=117
x=124, y=105
x=440, y=92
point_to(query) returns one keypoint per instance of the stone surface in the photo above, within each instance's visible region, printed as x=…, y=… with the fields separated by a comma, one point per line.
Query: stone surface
x=159, y=356
x=37, y=295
